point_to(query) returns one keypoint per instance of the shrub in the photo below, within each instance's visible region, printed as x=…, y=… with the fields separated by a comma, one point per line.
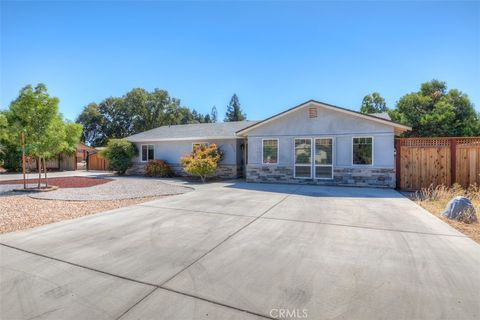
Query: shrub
x=202, y=161
x=157, y=168
x=11, y=159
x=119, y=153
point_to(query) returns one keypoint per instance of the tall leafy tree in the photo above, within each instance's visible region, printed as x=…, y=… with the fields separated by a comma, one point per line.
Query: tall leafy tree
x=434, y=111
x=138, y=110
x=93, y=125
x=118, y=117
x=373, y=103
x=35, y=114
x=234, y=112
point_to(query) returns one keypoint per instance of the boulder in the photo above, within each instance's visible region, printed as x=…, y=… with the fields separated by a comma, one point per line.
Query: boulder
x=460, y=209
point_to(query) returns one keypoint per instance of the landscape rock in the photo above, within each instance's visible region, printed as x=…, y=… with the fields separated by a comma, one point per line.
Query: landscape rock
x=460, y=209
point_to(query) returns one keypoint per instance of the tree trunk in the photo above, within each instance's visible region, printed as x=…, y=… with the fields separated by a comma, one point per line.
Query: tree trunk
x=39, y=168
x=203, y=178
x=45, y=168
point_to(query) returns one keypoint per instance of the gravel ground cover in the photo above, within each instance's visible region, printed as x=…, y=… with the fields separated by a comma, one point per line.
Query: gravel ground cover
x=78, y=197
x=18, y=212
x=118, y=189
x=67, y=182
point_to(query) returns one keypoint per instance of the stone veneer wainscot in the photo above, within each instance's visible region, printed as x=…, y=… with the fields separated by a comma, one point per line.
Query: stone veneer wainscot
x=360, y=176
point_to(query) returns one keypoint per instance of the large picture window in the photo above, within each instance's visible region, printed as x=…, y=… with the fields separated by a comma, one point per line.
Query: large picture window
x=148, y=152
x=303, y=158
x=270, y=151
x=323, y=158
x=363, y=150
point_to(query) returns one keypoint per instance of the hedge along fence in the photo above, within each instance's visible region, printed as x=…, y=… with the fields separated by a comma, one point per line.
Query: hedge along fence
x=421, y=162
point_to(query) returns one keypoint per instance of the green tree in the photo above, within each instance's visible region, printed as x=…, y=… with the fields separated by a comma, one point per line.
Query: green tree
x=119, y=153
x=92, y=121
x=35, y=114
x=214, y=114
x=234, y=112
x=373, y=103
x=434, y=111
x=138, y=110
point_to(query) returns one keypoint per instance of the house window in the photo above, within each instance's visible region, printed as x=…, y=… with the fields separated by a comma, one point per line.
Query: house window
x=148, y=152
x=199, y=144
x=270, y=151
x=363, y=150
x=303, y=158
x=324, y=158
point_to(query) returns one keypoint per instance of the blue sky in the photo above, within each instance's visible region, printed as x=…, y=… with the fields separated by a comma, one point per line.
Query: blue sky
x=274, y=55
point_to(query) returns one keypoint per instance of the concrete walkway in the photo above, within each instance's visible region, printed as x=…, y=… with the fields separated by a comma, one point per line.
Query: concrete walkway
x=245, y=251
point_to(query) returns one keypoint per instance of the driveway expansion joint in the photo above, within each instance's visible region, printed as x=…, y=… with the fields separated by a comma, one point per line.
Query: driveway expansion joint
x=155, y=286
x=366, y=227
x=197, y=211
x=227, y=238
x=215, y=302
x=137, y=303
x=79, y=265
x=303, y=221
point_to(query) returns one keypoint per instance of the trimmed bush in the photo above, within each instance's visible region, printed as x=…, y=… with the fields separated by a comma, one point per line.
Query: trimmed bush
x=157, y=168
x=119, y=153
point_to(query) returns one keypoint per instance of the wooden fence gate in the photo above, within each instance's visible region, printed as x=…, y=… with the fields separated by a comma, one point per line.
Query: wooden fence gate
x=421, y=162
x=94, y=162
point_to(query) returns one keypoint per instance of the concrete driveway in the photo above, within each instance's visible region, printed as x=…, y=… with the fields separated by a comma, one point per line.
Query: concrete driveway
x=233, y=250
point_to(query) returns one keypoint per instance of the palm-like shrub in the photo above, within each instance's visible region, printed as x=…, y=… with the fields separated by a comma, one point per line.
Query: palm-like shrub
x=202, y=161
x=157, y=168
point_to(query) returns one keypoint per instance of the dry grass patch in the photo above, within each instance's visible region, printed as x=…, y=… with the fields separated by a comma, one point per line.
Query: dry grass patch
x=436, y=199
x=19, y=212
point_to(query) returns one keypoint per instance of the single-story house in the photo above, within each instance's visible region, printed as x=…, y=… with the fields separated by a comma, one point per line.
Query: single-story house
x=170, y=143
x=312, y=143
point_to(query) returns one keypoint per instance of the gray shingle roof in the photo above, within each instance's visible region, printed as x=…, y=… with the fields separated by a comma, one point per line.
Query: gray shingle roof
x=383, y=115
x=219, y=130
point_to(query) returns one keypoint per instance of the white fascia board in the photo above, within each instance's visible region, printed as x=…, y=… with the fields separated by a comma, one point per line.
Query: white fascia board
x=184, y=139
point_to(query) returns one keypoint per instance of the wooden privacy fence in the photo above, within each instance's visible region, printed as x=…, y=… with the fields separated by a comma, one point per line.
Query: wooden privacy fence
x=60, y=162
x=94, y=162
x=421, y=162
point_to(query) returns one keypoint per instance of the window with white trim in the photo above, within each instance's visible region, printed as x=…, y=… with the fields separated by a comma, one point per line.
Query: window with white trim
x=323, y=158
x=303, y=158
x=270, y=151
x=362, y=150
x=148, y=152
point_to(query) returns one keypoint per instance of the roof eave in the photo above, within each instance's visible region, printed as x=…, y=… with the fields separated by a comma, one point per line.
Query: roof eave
x=184, y=139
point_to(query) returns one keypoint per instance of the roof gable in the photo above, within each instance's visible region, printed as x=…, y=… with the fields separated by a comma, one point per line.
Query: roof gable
x=399, y=128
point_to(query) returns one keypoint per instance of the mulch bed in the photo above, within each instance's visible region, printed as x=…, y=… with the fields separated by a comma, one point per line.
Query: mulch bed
x=67, y=182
